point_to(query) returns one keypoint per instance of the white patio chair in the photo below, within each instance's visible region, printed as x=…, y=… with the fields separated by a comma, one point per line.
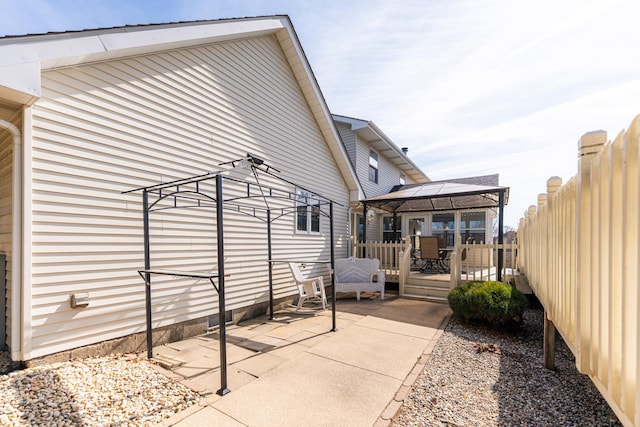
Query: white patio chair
x=309, y=289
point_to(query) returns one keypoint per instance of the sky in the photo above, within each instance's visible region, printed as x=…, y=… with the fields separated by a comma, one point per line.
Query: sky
x=471, y=87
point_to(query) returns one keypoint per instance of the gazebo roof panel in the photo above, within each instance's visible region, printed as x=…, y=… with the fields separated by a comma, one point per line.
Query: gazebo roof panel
x=439, y=196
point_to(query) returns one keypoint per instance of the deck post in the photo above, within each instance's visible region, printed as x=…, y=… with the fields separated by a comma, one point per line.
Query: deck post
x=455, y=267
x=549, y=343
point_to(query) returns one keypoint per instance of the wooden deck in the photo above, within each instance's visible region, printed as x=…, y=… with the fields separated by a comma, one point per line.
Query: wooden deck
x=436, y=286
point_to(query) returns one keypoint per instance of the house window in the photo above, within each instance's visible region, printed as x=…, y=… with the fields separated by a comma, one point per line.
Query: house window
x=473, y=226
x=391, y=232
x=373, y=166
x=403, y=180
x=443, y=225
x=360, y=228
x=307, y=213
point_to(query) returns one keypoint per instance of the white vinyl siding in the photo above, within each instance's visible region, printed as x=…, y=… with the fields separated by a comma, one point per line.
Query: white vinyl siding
x=362, y=169
x=374, y=228
x=104, y=128
x=6, y=223
x=348, y=138
x=388, y=173
x=387, y=178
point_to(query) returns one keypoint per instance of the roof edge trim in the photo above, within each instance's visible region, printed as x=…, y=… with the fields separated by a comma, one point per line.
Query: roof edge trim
x=63, y=49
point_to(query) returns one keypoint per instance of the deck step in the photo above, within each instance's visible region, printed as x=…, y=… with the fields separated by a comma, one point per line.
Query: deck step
x=426, y=290
x=440, y=300
x=428, y=281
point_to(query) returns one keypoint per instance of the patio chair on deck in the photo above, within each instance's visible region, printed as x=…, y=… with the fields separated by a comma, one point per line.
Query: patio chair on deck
x=430, y=253
x=445, y=255
x=309, y=289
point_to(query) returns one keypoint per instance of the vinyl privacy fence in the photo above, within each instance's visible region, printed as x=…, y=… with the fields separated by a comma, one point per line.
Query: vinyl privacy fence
x=580, y=249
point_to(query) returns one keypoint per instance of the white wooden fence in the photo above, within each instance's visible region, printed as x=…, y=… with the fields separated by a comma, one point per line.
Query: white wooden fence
x=580, y=250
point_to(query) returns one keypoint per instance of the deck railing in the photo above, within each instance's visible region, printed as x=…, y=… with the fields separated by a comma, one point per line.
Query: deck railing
x=479, y=261
x=387, y=252
x=580, y=250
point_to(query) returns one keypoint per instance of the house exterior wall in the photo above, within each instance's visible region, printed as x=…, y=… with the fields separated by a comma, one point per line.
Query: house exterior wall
x=349, y=139
x=362, y=170
x=388, y=177
x=6, y=224
x=103, y=128
x=358, y=150
x=6, y=179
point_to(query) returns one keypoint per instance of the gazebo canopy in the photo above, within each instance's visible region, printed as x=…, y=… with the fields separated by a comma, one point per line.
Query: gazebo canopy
x=444, y=196
x=439, y=196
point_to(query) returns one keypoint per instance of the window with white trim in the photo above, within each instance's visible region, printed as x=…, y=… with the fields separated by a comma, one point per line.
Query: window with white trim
x=473, y=226
x=307, y=213
x=443, y=225
x=391, y=232
x=373, y=166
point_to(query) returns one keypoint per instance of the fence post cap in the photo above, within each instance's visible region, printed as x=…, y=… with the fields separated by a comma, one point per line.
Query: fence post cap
x=542, y=199
x=591, y=142
x=553, y=184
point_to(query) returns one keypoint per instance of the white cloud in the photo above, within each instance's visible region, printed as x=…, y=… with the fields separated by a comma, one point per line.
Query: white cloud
x=492, y=86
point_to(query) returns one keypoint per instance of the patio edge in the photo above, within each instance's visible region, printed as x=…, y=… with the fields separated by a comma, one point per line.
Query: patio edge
x=394, y=406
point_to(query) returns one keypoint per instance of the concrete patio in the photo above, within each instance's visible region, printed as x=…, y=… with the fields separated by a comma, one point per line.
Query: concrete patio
x=293, y=371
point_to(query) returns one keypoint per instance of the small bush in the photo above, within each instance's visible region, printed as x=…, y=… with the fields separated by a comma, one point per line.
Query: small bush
x=494, y=302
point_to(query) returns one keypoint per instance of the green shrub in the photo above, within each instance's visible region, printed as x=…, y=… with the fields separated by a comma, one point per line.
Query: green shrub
x=494, y=302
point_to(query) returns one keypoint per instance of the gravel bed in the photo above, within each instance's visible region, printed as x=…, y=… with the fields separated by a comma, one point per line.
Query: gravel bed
x=119, y=390
x=5, y=362
x=476, y=376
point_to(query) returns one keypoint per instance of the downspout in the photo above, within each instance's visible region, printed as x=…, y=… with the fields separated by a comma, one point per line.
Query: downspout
x=27, y=223
x=16, y=241
x=500, y=233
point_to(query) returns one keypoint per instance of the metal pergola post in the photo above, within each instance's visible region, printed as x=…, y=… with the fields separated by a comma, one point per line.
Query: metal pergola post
x=500, y=233
x=271, y=317
x=333, y=265
x=147, y=266
x=221, y=305
x=395, y=226
x=364, y=229
x=195, y=197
